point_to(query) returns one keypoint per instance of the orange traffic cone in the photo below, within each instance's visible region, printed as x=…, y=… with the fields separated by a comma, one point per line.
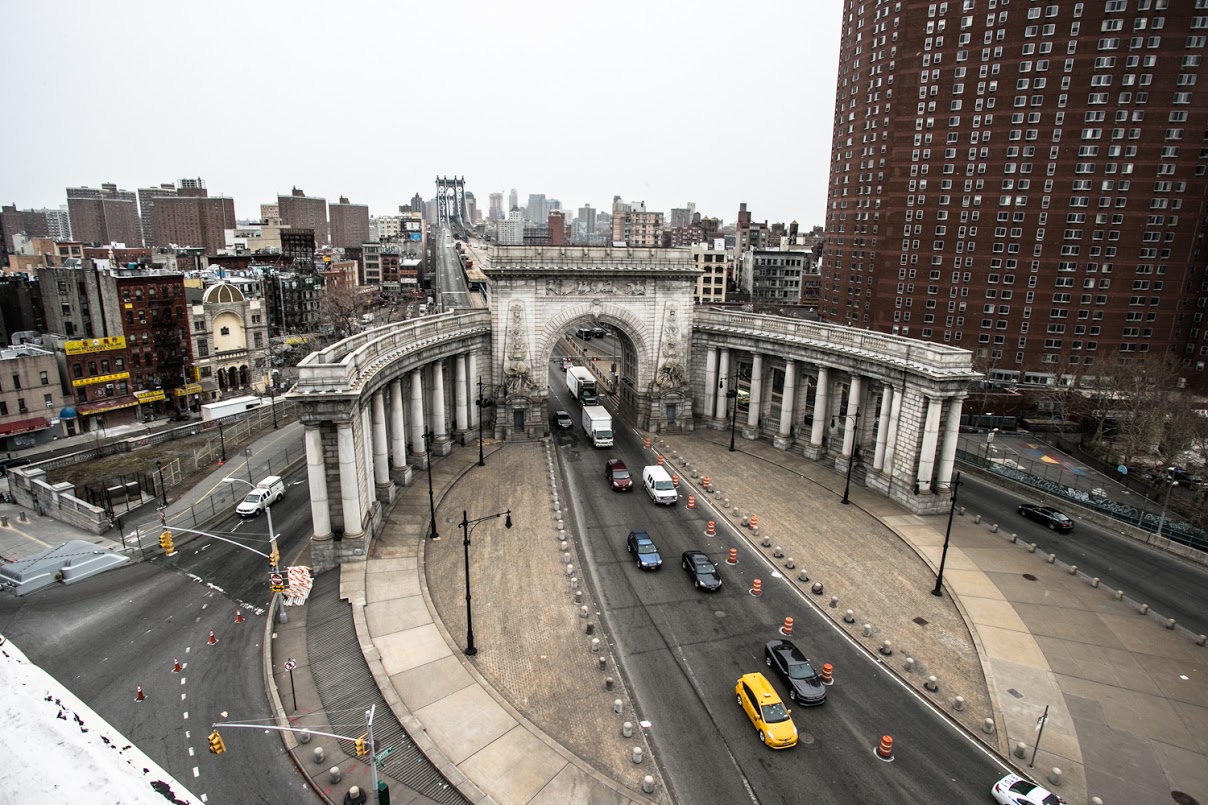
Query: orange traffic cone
x=828, y=674
x=885, y=750
x=757, y=587
x=138, y=693
x=238, y=616
x=176, y=666
x=733, y=560
x=710, y=529
x=787, y=629
x=213, y=641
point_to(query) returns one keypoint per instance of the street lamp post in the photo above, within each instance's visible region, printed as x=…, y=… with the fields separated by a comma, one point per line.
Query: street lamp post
x=222, y=441
x=851, y=460
x=939, y=578
x=428, y=437
x=481, y=403
x=163, y=490
x=466, y=526
x=274, y=554
x=732, y=396
x=1170, y=485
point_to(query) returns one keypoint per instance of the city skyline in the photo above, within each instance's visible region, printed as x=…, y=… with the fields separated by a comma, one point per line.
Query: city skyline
x=664, y=145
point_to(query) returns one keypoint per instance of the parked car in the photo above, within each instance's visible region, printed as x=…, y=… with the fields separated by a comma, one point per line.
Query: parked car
x=642, y=547
x=767, y=712
x=805, y=685
x=1047, y=515
x=618, y=475
x=564, y=421
x=598, y=332
x=1015, y=790
x=701, y=570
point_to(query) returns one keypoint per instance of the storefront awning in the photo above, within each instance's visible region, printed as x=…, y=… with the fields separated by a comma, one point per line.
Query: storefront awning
x=111, y=404
x=24, y=425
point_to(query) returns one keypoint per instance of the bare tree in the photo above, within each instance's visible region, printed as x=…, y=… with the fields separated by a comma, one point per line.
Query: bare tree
x=340, y=308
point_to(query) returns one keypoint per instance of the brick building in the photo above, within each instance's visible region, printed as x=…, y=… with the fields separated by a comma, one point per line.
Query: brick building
x=300, y=211
x=349, y=224
x=107, y=215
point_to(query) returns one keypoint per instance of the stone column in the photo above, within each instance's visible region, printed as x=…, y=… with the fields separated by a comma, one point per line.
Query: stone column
x=751, y=431
x=878, y=460
x=891, y=438
x=400, y=470
x=316, y=474
x=849, y=422
x=710, y=383
x=473, y=379
x=418, y=426
x=367, y=445
x=350, y=488
x=952, y=429
x=930, y=438
x=821, y=401
x=440, y=428
x=724, y=382
x=461, y=419
x=787, y=397
x=381, y=457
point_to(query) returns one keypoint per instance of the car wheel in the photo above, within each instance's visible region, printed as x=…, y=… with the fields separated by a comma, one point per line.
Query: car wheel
x=762, y=738
x=793, y=696
x=1052, y=527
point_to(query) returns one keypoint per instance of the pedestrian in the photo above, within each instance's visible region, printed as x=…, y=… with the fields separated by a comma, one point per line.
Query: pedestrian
x=355, y=796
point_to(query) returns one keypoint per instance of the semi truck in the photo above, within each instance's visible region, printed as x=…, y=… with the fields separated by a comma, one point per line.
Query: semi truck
x=581, y=384
x=230, y=407
x=597, y=424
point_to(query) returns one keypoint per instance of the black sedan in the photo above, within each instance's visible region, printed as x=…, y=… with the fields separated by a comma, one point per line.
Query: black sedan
x=805, y=685
x=564, y=421
x=1046, y=515
x=702, y=571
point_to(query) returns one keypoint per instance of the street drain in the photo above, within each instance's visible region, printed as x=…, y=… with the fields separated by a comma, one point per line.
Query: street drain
x=1029, y=577
x=921, y=621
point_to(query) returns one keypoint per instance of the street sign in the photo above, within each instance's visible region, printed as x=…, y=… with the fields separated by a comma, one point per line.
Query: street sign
x=380, y=757
x=291, y=664
x=276, y=579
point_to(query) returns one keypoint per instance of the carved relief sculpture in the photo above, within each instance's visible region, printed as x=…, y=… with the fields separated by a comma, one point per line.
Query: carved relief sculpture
x=672, y=374
x=516, y=372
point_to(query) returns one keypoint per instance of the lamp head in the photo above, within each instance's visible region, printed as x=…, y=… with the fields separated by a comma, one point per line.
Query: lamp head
x=507, y=523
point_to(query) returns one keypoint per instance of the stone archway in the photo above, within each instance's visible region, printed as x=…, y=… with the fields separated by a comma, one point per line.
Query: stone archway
x=541, y=292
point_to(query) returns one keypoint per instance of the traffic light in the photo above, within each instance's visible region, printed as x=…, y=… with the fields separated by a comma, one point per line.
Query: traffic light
x=165, y=542
x=362, y=749
x=216, y=744
x=274, y=557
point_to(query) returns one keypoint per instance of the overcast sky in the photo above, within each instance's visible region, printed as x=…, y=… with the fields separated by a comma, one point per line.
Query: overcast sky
x=666, y=102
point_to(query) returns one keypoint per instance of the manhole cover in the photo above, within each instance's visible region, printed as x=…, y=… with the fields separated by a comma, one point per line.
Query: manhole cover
x=1182, y=799
x=805, y=738
x=921, y=621
x=1029, y=577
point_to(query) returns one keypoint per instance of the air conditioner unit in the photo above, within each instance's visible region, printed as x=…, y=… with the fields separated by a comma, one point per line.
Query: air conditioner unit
x=108, y=385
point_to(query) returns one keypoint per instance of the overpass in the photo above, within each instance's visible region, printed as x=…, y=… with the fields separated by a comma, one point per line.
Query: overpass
x=377, y=402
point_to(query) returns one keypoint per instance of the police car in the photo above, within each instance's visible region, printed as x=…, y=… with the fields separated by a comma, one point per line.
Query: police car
x=1015, y=790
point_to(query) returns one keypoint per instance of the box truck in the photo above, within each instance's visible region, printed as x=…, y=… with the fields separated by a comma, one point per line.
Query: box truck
x=236, y=405
x=581, y=384
x=597, y=424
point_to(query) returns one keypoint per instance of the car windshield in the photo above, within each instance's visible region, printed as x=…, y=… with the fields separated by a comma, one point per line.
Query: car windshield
x=647, y=547
x=252, y=497
x=1059, y=517
x=774, y=713
x=801, y=670
x=620, y=474
x=705, y=568
x=663, y=485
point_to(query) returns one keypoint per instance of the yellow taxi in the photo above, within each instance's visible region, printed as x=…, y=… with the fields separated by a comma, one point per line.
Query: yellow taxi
x=767, y=712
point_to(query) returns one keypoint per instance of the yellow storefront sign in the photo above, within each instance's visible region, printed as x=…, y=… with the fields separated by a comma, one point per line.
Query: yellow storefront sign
x=90, y=345
x=150, y=396
x=192, y=388
x=92, y=381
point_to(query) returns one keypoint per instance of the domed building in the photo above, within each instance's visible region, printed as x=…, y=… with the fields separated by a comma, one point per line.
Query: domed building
x=230, y=342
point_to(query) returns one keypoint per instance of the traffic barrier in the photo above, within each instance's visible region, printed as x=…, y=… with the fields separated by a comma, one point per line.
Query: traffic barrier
x=704, y=482
x=828, y=674
x=675, y=480
x=787, y=629
x=733, y=560
x=885, y=750
x=711, y=529
x=176, y=666
x=756, y=587
x=238, y=616
x=213, y=641
x=647, y=442
x=692, y=501
x=660, y=459
x=138, y=693
x=754, y=521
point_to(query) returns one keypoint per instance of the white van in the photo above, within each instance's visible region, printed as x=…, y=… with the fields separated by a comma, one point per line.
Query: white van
x=659, y=486
x=266, y=493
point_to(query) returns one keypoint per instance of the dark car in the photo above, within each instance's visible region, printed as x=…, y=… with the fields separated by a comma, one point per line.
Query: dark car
x=598, y=332
x=805, y=685
x=618, y=475
x=564, y=421
x=642, y=547
x=701, y=570
x=1046, y=515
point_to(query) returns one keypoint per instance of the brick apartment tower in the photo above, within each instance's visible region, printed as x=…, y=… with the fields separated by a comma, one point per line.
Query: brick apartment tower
x=300, y=211
x=349, y=224
x=193, y=218
x=104, y=216
x=1024, y=180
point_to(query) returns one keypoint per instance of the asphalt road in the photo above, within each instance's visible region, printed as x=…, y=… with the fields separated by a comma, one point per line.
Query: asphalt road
x=682, y=651
x=108, y=634
x=1171, y=586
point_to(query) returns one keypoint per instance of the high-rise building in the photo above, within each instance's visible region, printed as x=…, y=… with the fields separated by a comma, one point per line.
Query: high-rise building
x=496, y=210
x=1033, y=189
x=536, y=210
x=58, y=221
x=634, y=226
x=107, y=215
x=300, y=211
x=513, y=202
x=13, y=221
x=511, y=231
x=270, y=213
x=349, y=224
x=146, y=203
x=556, y=221
x=192, y=219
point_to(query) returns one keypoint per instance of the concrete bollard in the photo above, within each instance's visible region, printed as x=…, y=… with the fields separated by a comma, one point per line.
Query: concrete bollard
x=319, y=754
x=608, y=683
x=557, y=506
x=755, y=531
x=1055, y=776
x=868, y=630
x=1021, y=749
x=994, y=528
x=816, y=589
x=958, y=703
x=977, y=518
x=1144, y=610
x=559, y=524
x=803, y=576
x=1201, y=640
x=909, y=664
x=4, y=520
x=617, y=706
x=589, y=628
x=849, y=617
x=595, y=644
x=1052, y=558
x=1096, y=801
x=887, y=648
x=790, y=564
x=304, y=737
x=988, y=726
x=1095, y=582
x=1073, y=570
x=1119, y=594
x=778, y=553
x=1170, y=623
x=602, y=663
x=725, y=504
x=583, y=611
x=648, y=784
x=637, y=754
x=578, y=596
x=570, y=570
x=746, y=520
x=566, y=557
x=574, y=582
x=766, y=542
x=562, y=546
x=1014, y=538
x=627, y=729
x=834, y=601
x=21, y=518
x=1031, y=547
x=931, y=684
x=960, y=510
x=334, y=774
